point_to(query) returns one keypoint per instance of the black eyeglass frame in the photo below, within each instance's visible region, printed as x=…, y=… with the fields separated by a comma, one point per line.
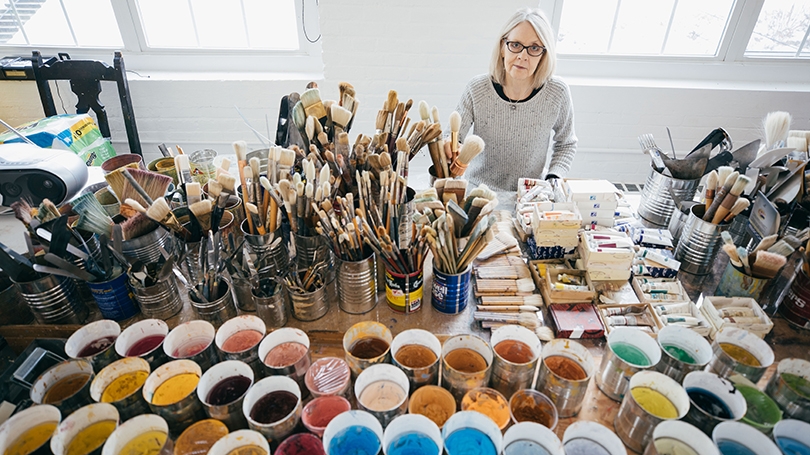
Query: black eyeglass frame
x=522, y=47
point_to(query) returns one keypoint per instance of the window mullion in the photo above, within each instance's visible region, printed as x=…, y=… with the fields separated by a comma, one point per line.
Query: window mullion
x=245, y=22
x=69, y=24
x=669, y=25
x=129, y=25
x=194, y=22
x=804, y=41
x=613, y=28
x=740, y=29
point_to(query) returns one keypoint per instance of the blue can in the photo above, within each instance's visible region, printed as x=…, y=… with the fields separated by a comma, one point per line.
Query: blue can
x=114, y=298
x=450, y=292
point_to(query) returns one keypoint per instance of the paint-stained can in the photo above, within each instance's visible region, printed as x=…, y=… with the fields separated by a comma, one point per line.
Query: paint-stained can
x=114, y=298
x=699, y=243
x=228, y=413
x=741, y=343
x=516, y=352
x=66, y=385
x=736, y=283
x=466, y=364
x=628, y=352
x=417, y=352
x=285, y=340
x=671, y=437
x=789, y=388
x=404, y=292
x=385, y=408
x=450, y=292
x=118, y=384
x=657, y=204
x=564, y=374
x=192, y=340
x=90, y=338
x=705, y=391
x=250, y=325
x=682, y=351
x=180, y=414
x=280, y=429
x=795, y=307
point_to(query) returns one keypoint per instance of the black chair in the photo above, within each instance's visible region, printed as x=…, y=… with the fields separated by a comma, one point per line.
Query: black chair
x=85, y=78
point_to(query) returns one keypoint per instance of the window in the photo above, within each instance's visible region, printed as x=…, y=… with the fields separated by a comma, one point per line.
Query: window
x=642, y=27
x=725, y=30
x=170, y=35
x=781, y=30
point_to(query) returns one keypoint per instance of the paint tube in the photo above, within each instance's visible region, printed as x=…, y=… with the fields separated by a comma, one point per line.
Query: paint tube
x=686, y=320
x=569, y=287
x=629, y=319
x=731, y=312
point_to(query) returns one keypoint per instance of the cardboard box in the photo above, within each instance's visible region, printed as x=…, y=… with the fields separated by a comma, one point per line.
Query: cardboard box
x=651, y=298
x=545, y=276
x=602, y=310
x=711, y=306
x=704, y=329
x=590, y=190
x=579, y=320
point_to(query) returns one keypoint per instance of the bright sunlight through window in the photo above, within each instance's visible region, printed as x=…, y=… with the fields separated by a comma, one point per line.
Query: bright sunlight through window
x=782, y=30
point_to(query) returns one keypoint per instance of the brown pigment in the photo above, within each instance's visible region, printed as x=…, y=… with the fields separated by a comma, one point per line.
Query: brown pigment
x=514, y=351
x=368, y=348
x=415, y=356
x=65, y=388
x=526, y=409
x=466, y=360
x=565, y=368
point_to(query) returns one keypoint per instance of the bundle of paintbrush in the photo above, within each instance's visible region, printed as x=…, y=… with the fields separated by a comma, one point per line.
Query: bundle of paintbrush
x=723, y=190
x=458, y=226
x=206, y=261
x=766, y=258
x=261, y=200
x=338, y=222
x=32, y=217
x=305, y=281
x=320, y=121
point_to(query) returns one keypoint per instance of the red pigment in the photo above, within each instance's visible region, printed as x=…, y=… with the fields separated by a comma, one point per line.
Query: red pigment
x=285, y=354
x=301, y=444
x=324, y=409
x=145, y=345
x=242, y=341
x=96, y=346
x=514, y=351
x=191, y=347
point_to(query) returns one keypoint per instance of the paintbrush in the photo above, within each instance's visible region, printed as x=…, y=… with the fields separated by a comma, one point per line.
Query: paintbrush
x=183, y=168
x=720, y=196
x=473, y=145
x=136, y=226
x=509, y=308
x=776, y=126
x=740, y=206
x=767, y=265
x=240, y=147
x=160, y=212
x=202, y=211
x=528, y=320
x=508, y=272
x=533, y=299
x=92, y=216
x=313, y=106
x=455, y=126
x=253, y=212
x=711, y=187
x=730, y=199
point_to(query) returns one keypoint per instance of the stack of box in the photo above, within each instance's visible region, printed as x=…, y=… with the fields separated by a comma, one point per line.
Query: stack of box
x=596, y=199
x=607, y=255
x=554, y=229
x=671, y=303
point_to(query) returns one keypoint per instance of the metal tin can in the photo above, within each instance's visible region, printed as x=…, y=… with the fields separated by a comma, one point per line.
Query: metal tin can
x=741, y=434
x=228, y=413
x=146, y=248
x=377, y=373
x=673, y=433
x=597, y=433
x=274, y=431
x=135, y=427
x=54, y=300
x=272, y=257
x=114, y=298
x=656, y=200
x=138, y=331
x=298, y=369
x=218, y=311
x=422, y=375
x=614, y=374
x=161, y=300
x=720, y=388
x=725, y=365
x=309, y=306
x=128, y=406
x=507, y=376
x=272, y=310
x=76, y=422
x=699, y=243
x=359, y=331
x=183, y=413
x=90, y=333
x=634, y=424
x=24, y=420
x=477, y=421
x=794, y=404
x=795, y=307
x=243, y=294
x=250, y=355
x=674, y=340
x=14, y=309
x=735, y=283
x=357, y=284
x=234, y=441
x=192, y=340
x=449, y=293
x=80, y=395
x=459, y=382
x=567, y=394
x=404, y=292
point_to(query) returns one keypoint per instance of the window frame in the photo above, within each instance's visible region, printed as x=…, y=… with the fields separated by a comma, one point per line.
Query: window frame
x=174, y=63
x=741, y=23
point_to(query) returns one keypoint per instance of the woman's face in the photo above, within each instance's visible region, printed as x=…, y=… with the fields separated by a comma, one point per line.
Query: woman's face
x=521, y=66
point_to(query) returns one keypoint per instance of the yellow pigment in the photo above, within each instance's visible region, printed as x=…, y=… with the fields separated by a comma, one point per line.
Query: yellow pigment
x=741, y=355
x=31, y=439
x=654, y=402
x=124, y=386
x=175, y=389
x=148, y=443
x=91, y=438
x=248, y=450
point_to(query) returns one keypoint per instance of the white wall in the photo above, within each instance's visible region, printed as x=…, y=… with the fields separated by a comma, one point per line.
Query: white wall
x=428, y=50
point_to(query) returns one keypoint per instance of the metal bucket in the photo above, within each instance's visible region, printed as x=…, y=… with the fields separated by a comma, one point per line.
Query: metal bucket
x=656, y=204
x=308, y=306
x=508, y=376
x=735, y=283
x=357, y=285
x=14, y=309
x=272, y=310
x=678, y=346
x=114, y=298
x=615, y=372
x=192, y=340
x=634, y=424
x=218, y=311
x=146, y=248
x=181, y=414
x=54, y=300
x=417, y=375
x=450, y=293
x=795, y=307
x=128, y=406
x=228, y=413
x=794, y=404
x=272, y=257
x=243, y=290
x=459, y=382
x=699, y=243
x=161, y=300
x=567, y=394
x=103, y=331
x=725, y=365
x=250, y=354
x=721, y=389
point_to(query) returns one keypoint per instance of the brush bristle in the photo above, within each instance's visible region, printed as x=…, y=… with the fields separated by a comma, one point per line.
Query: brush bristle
x=776, y=125
x=434, y=113
x=711, y=180
x=768, y=264
x=722, y=174
x=137, y=226
x=227, y=182
x=473, y=145
x=455, y=121
x=340, y=115
x=181, y=163
x=424, y=110
x=201, y=207
x=135, y=205
x=240, y=148
x=252, y=208
x=158, y=210
x=739, y=185
x=402, y=144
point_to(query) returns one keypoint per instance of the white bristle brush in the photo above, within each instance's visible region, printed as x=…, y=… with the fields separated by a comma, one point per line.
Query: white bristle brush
x=776, y=125
x=472, y=147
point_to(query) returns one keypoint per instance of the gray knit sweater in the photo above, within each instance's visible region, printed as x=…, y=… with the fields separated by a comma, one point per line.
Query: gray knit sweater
x=517, y=135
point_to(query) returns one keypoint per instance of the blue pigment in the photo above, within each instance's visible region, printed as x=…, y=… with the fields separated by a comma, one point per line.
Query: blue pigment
x=728, y=447
x=413, y=444
x=525, y=447
x=355, y=440
x=790, y=446
x=584, y=446
x=469, y=441
x=709, y=402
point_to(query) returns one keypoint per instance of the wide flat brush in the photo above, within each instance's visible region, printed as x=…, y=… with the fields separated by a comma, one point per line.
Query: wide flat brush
x=508, y=272
x=708, y=216
x=472, y=147
x=505, y=287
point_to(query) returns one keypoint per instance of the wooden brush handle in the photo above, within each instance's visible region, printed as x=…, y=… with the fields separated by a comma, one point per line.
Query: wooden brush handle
x=457, y=168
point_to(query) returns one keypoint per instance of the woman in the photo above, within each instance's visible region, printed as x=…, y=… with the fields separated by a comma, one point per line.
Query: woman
x=516, y=106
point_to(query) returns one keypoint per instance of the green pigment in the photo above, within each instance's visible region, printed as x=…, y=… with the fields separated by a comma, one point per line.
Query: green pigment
x=679, y=353
x=630, y=354
x=799, y=384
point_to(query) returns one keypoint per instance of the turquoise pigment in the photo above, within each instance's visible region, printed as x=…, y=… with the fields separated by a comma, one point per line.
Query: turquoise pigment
x=355, y=440
x=525, y=447
x=413, y=444
x=790, y=446
x=630, y=354
x=469, y=441
x=679, y=353
x=728, y=447
x=584, y=446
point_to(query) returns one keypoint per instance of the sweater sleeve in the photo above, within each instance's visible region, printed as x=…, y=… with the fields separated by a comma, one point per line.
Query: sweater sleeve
x=466, y=111
x=565, y=140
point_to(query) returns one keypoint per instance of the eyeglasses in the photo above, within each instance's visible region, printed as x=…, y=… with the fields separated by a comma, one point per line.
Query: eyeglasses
x=516, y=48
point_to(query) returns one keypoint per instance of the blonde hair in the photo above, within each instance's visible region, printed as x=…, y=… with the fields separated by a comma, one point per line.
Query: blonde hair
x=541, y=26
